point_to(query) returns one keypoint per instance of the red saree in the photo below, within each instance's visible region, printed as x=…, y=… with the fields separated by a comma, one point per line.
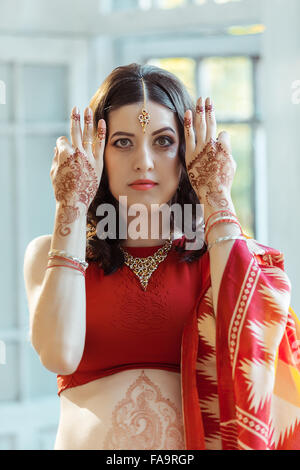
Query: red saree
x=241, y=368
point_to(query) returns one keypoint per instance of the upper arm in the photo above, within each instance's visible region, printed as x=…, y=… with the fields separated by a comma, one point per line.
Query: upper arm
x=35, y=264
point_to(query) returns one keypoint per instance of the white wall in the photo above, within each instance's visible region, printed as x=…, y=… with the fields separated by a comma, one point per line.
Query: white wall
x=281, y=56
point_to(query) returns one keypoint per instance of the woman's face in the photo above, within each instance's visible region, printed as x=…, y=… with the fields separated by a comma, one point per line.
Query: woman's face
x=130, y=154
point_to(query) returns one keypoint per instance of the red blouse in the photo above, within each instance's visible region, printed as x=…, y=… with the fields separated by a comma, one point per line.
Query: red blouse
x=129, y=328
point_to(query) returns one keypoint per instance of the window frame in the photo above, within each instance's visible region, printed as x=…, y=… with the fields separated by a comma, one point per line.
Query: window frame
x=220, y=46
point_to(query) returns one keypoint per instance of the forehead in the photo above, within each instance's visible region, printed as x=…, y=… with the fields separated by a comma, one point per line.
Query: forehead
x=125, y=118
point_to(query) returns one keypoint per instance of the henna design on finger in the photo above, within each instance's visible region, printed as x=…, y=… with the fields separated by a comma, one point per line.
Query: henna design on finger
x=211, y=174
x=88, y=119
x=101, y=133
x=187, y=125
x=75, y=116
x=145, y=419
x=76, y=182
x=199, y=109
x=209, y=108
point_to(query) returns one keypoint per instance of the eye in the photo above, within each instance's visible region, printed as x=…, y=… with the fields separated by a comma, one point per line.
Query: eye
x=164, y=141
x=123, y=143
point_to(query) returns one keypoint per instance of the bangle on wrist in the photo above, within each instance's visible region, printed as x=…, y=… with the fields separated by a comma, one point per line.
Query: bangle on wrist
x=223, y=239
x=65, y=255
x=223, y=213
x=66, y=266
x=220, y=220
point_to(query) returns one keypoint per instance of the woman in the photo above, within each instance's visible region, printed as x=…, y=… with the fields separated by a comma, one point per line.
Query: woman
x=158, y=343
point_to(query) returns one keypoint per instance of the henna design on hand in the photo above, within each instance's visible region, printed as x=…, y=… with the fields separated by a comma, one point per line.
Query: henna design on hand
x=76, y=182
x=211, y=174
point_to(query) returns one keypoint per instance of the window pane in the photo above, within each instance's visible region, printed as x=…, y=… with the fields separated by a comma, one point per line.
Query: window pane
x=40, y=199
x=6, y=94
x=201, y=2
x=41, y=381
x=166, y=4
x=8, y=312
x=183, y=67
x=7, y=443
x=228, y=81
x=242, y=188
x=47, y=439
x=9, y=374
x=119, y=5
x=45, y=93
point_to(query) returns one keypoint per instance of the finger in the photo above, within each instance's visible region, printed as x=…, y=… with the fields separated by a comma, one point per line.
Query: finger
x=200, y=122
x=54, y=161
x=189, y=132
x=87, y=141
x=99, y=142
x=224, y=140
x=75, y=128
x=62, y=145
x=211, y=125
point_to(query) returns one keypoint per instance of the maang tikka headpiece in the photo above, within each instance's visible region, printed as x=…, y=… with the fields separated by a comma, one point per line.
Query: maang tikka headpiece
x=144, y=118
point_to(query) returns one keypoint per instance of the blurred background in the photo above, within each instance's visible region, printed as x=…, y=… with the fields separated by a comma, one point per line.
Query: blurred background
x=245, y=54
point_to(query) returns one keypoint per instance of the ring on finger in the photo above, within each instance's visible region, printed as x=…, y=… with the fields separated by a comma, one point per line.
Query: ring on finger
x=87, y=142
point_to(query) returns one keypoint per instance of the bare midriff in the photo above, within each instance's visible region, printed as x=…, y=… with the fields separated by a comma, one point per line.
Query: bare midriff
x=132, y=409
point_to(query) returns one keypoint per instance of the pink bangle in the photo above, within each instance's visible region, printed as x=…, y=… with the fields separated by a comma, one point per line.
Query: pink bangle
x=66, y=266
x=230, y=221
x=219, y=212
x=77, y=265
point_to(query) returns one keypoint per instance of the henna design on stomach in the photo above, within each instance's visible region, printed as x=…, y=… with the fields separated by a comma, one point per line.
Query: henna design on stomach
x=144, y=419
x=76, y=182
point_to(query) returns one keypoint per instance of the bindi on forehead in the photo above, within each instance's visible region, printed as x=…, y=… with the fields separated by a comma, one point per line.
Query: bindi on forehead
x=125, y=120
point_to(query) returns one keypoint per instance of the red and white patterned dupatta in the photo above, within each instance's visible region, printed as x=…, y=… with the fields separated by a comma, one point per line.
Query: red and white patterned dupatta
x=240, y=369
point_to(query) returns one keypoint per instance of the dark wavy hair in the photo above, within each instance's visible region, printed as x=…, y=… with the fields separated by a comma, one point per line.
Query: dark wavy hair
x=122, y=87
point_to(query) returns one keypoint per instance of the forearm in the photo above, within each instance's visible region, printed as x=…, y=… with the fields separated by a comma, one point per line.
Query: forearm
x=58, y=326
x=219, y=252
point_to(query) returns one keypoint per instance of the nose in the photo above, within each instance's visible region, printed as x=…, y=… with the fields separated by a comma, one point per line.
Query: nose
x=144, y=158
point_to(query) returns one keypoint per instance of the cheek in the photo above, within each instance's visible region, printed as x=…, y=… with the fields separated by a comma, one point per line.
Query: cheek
x=172, y=161
x=111, y=164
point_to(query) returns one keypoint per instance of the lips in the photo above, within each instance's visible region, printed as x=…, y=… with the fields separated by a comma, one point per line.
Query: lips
x=142, y=185
x=142, y=182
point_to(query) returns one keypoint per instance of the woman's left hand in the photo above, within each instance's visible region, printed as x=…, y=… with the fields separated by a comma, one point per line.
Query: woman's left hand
x=210, y=165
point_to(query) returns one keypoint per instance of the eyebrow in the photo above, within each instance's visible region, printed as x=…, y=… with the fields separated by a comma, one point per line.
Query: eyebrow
x=153, y=133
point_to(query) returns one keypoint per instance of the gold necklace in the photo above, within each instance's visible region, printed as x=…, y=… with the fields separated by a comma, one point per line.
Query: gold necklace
x=143, y=268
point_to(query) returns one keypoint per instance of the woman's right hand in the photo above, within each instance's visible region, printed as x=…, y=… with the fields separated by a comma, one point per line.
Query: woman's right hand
x=77, y=169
